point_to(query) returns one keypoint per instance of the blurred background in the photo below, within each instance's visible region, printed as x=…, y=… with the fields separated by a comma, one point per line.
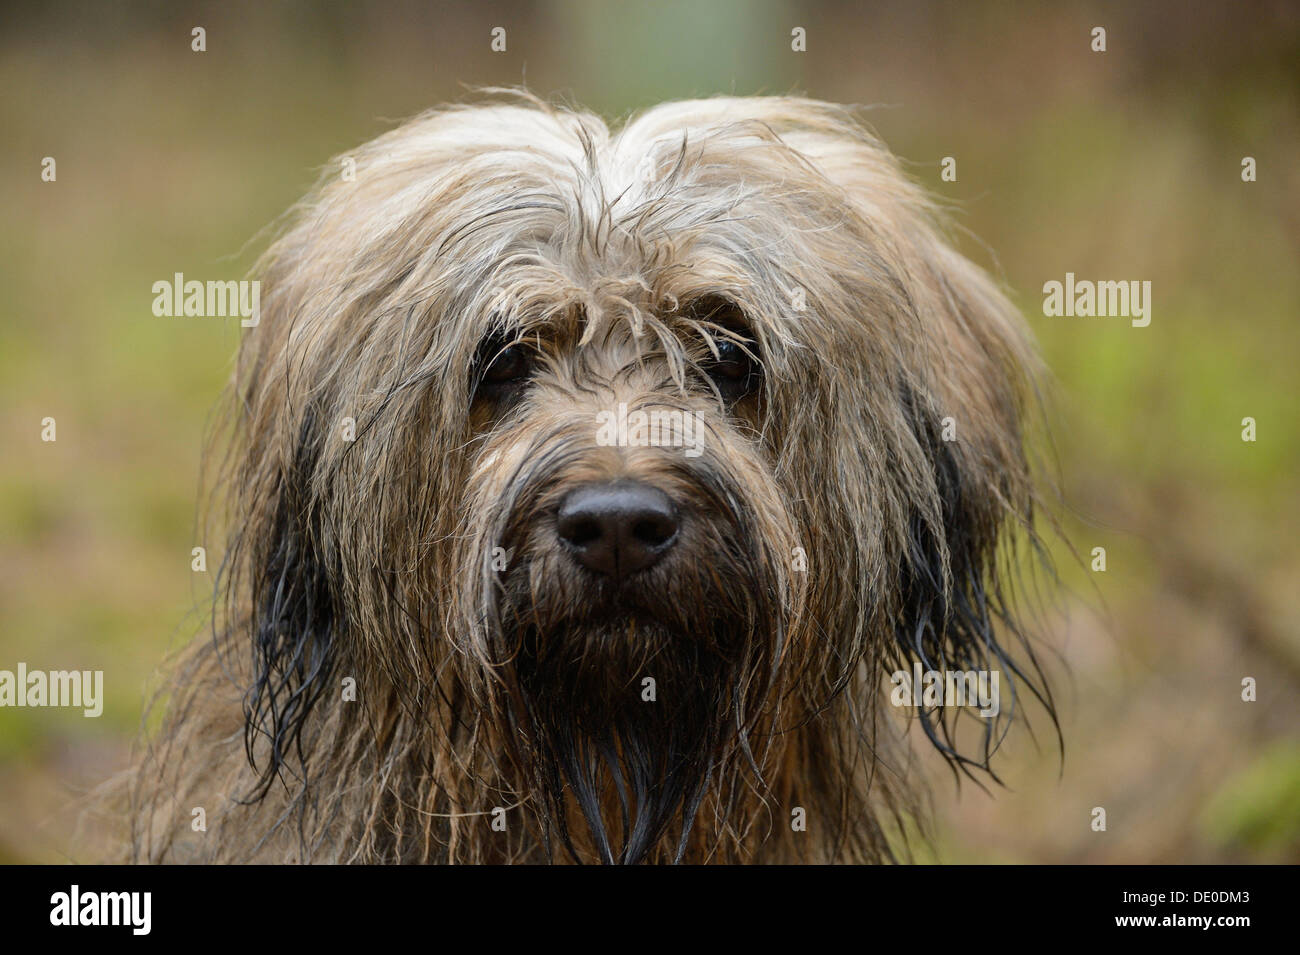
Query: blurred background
x=1117, y=165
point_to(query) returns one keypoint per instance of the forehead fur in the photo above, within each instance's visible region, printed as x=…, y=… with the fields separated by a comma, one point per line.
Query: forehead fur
x=520, y=214
x=528, y=211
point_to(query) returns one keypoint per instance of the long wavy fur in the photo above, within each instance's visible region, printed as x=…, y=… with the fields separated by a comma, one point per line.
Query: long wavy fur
x=368, y=559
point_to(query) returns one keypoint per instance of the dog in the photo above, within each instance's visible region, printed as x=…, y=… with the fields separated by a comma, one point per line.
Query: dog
x=585, y=487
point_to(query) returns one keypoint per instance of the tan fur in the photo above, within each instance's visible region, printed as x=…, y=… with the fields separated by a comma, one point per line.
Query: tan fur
x=517, y=214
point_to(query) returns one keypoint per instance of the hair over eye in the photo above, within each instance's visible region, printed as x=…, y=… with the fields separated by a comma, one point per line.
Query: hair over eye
x=501, y=364
x=732, y=362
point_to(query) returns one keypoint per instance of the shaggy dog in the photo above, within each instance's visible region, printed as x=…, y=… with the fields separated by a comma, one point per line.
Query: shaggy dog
x=586, y=486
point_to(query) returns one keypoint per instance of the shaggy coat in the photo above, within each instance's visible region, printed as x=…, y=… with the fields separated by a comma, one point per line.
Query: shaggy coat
x=405, y=663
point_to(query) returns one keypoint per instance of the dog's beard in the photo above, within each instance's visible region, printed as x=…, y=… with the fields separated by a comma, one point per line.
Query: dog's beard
x=630, y=755
x=632, y=703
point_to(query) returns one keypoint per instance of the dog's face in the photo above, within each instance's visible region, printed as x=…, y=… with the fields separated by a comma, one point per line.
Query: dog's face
x=665, y=443
x=634, y=547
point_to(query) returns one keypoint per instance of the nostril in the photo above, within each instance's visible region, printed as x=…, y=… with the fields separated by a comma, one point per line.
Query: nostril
x=580, y=532
x=654, y=531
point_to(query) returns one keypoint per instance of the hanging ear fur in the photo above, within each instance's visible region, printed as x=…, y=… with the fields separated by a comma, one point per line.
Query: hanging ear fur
x=293, y=626
x=955, y=583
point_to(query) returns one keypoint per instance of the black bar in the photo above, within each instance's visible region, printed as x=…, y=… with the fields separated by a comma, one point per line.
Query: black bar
x=962, y=906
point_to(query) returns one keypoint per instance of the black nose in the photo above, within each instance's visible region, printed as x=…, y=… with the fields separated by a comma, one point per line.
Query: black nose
x=617, y=529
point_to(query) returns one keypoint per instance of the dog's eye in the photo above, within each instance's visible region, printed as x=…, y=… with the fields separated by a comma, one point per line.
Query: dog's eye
x=501, y=366
x=511, y=364
x=734, y=371
x=732, y=363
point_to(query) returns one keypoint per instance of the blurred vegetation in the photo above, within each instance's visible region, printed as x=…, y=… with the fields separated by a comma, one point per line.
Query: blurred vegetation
x=1122, y=165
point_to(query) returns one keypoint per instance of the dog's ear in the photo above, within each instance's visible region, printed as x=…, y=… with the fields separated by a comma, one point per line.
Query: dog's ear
x=293, y=619
x=958, y=573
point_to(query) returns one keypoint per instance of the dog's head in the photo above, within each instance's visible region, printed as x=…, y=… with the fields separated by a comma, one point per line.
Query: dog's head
x=624, y=465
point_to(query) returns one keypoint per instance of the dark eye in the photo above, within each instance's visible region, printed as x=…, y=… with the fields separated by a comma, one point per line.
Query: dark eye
x=734, y=371
x=510, y=364
x=502, y=365
x=732, y=364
